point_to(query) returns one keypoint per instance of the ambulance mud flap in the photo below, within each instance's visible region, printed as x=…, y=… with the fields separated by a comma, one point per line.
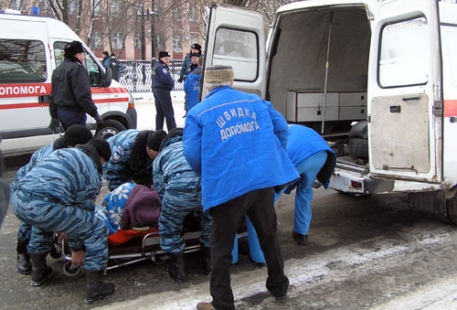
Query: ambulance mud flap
x=433, y=202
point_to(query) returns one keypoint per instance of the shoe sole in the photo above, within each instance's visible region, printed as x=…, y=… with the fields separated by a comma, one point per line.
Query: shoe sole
x=24, y=272
x=40, y=283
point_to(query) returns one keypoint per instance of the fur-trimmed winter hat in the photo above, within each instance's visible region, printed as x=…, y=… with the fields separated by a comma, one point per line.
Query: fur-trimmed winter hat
x=73, y=48
x=155, y=139
x=103, y=148
x=219, y=74
x=163, y=54
x=77, y=134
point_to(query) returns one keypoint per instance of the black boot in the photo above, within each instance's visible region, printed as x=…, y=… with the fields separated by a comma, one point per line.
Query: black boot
x=176, y=267
x=40, y=270
x=23, y=266
x=206, y=260
x=96, y=289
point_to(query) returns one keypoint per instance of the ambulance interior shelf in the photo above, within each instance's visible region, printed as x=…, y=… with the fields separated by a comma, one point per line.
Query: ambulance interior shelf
x=308, y=106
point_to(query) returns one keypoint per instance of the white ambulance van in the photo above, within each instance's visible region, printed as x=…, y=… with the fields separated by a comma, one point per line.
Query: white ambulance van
x=390, y=64
x=31, y=48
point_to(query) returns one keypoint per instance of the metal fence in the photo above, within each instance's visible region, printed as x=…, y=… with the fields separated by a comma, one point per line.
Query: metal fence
x=135, y=75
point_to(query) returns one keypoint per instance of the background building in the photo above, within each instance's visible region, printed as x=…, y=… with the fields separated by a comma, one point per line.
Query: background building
x=131, y=29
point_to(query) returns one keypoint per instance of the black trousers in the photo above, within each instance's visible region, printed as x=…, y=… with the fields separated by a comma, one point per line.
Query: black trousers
x=164, y=109
x=259, y=206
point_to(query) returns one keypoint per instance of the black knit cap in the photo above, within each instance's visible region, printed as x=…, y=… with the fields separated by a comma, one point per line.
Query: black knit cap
x=194, y=55
x=73, y=48
x=155, y=139
x=102, y=147
x=77, y=134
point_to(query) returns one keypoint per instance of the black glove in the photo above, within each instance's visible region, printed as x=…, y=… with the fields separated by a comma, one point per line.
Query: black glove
x=180, y=80
x=99, y=121
x=54, y=125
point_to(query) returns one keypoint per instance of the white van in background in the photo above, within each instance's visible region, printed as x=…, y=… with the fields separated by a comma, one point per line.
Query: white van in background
x=31, y=48
x=391, y=64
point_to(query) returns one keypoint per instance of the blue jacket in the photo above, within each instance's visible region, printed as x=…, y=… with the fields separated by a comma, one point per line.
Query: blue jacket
x=118, y=169
x=192, y=88
x=161, y=76
x=304, y=142
x=237, y=142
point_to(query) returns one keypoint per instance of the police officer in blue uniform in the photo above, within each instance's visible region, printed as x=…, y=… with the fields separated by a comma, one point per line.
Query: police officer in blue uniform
x=162, y=84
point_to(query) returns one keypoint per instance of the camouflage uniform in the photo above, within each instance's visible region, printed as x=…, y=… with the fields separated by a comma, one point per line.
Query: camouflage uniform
x=117, y=170
x=180, y=193
x=59, y=195
x=25, y=229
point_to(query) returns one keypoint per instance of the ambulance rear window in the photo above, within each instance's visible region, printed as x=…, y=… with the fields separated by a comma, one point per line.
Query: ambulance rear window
x=22, y=61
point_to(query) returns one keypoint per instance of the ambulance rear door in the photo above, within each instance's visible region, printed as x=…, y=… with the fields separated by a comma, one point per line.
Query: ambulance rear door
x=404, y=92
x=236, y=37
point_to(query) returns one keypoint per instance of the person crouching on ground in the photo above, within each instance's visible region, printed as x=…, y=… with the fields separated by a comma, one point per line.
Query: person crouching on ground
x=58, y=195
x=180, y=194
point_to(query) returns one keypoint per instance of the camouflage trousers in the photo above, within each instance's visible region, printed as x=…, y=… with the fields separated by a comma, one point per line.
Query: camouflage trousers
x=82, y=227
x=171, y=224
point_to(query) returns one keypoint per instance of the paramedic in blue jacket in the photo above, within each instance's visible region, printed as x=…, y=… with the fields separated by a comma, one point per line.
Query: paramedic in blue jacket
x=162, y=85
x=237, y=143
x=58, y=195
x=180, y=193
x=192, y=84
x=314, y=159
x=132, y=153
x=76, y=134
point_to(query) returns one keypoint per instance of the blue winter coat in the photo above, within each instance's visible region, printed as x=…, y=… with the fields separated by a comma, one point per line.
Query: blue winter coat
x=161, y=76
x=304, y=142
x=237, y=142
x=118, y=170
x=192, y=88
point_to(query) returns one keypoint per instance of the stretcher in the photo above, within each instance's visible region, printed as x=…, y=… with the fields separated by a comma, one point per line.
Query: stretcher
x=144, y=246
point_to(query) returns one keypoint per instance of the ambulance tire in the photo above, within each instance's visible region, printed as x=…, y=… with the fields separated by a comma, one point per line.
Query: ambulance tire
x=358, y=148
x=451, y=207
x=109, y=129
x=359, y=130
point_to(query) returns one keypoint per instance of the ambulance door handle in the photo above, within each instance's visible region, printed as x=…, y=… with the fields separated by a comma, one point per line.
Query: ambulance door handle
x=417, y=98
x=395, y=109
x=43, y=99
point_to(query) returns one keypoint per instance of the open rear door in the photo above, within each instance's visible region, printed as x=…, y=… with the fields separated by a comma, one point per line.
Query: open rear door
x=405, y=105
x=236, y=38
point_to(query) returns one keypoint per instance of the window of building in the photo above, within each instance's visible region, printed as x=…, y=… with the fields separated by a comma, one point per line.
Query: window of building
x=22, y=61
x=138, y=40
x=96, y=40
x=161, y=42
x=195, y=38
x=117, y=40
x=73, y=7
x=177, y=43
x=176, y=12
x=193, y=13
x=404, y=48
x=115, y=7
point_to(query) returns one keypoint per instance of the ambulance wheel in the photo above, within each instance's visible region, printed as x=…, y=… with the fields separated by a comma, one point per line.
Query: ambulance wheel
x=109, y=129
x=70, y=270
x=451, y=207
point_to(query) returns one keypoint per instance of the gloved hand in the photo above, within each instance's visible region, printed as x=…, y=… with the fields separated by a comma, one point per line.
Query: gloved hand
x=180, y=80
x=54, y=125
x=99, y=121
